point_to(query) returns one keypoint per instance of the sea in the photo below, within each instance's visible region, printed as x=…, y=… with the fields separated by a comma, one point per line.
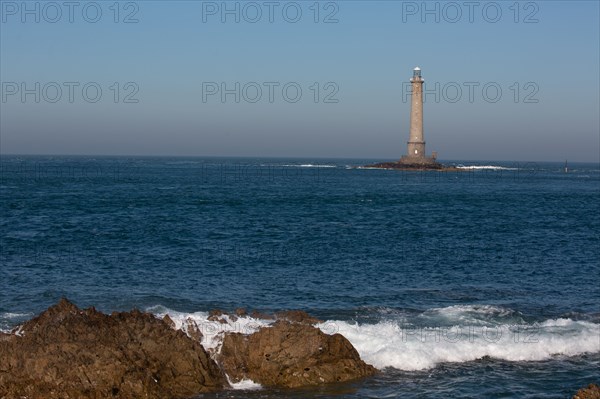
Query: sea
x=481, y=282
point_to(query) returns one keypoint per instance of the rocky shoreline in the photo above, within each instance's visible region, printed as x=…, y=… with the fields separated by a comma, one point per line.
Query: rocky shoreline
x=67, y=352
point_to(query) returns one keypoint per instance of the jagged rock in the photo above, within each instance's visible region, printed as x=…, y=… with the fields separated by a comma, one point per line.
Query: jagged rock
x=291, y=355
x=217, y=315
x=169, y=321
x=259, y=315
x=297, y=316
x=592, y=391
x=241, y=312
x=67, y=353
x=193, y=331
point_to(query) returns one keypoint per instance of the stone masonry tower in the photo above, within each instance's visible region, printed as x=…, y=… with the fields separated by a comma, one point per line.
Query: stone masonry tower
x=416, y=141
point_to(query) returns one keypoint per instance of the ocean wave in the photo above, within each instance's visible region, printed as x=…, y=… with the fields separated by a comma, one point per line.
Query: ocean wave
x=309, y=165
x=487, y=315
x=463, y=333
x=12, y=316
x=391, y=344
x=484, y=167
x=8, y=320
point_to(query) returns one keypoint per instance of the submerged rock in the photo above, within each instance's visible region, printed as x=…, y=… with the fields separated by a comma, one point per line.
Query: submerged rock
x=67, y=352
x=592, y=391
x=289, y=354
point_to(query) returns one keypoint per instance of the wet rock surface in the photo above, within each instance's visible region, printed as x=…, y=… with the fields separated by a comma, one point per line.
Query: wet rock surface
x=297, y=316
x=67, y=352
x=291, y=354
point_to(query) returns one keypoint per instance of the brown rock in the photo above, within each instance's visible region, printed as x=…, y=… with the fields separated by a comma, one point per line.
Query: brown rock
x=291, y=355
x=192, y=330
x=591, y=392
x=259, y=315
x=167, y=319
x=219, y=316
x=297, y=316
x=241, y=312
x=67, y=352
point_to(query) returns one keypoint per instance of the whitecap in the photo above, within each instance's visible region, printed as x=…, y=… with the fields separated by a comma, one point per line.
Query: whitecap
x=392, y=344
x=309, y=165
x=463, y=333
x=484, y=167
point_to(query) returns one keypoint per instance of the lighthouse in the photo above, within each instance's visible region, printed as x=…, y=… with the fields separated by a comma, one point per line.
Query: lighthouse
x=415, y=154
x=415, y=158
x=416, y=141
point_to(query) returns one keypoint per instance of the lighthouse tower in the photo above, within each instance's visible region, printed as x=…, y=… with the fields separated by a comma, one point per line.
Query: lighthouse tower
x=416, y=140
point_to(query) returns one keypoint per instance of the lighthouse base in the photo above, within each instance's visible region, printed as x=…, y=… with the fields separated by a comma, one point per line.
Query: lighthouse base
x=420, y=161
x=412, y=163
x=410, y=166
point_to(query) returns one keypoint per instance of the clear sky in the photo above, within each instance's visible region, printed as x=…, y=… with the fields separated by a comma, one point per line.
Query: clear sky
x=162, y=68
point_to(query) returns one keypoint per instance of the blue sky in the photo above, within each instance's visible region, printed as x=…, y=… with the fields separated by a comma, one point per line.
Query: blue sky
x=351, y=67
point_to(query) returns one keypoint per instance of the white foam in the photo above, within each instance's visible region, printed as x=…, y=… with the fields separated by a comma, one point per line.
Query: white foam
x=483, y=309
x=371, y=167
x=9, y=319
x=391, y=344
x=212, y=331
x=484, y=167
x=460, y=333
x=245, y=385
x=11, y=315
x=471, y=315
x=309, y=165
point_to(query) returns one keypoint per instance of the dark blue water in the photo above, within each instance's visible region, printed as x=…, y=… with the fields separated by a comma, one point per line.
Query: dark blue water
x=479, y=283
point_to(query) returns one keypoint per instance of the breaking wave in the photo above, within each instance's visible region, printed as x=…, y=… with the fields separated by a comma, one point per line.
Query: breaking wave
x=421, y=341
x=484, y=167
x=309, y=165
x=389, y=344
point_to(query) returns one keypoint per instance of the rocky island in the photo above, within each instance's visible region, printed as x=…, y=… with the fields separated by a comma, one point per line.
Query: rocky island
x=408, y=166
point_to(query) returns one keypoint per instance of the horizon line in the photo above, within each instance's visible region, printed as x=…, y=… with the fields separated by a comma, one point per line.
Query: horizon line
x=383, y=159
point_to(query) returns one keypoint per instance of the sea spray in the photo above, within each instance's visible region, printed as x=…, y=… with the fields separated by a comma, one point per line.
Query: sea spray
x=463, y=334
